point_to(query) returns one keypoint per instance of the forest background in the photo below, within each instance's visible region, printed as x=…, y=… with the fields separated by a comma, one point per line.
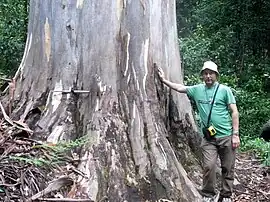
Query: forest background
x=234, y=34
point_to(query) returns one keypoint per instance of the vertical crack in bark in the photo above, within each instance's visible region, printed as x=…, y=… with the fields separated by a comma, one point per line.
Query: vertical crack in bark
x=156, y=152
x=126, y=39
x=26, y=52
x=136, y=137
x=145, y=61
x=119, y=8
x=56, y=98
x=79, y=4
x=47, y=38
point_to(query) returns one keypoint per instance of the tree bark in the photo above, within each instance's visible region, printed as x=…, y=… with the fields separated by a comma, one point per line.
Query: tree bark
x=131, y=120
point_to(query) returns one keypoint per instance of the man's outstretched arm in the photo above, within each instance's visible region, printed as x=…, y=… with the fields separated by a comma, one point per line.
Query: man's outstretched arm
x=175, y=86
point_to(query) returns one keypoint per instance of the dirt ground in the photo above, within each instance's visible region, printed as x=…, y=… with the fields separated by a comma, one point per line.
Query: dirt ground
x=252, y=179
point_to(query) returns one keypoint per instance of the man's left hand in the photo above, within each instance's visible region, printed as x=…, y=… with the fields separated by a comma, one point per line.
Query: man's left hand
x=235, y=141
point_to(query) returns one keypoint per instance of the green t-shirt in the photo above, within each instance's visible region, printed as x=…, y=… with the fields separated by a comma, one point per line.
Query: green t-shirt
x=220, y=116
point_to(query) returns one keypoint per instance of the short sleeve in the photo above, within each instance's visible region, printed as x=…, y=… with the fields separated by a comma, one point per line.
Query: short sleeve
x=230, y=96
x=191, y=90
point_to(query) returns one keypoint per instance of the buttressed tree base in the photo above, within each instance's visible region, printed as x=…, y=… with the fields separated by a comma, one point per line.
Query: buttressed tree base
x=88, y=70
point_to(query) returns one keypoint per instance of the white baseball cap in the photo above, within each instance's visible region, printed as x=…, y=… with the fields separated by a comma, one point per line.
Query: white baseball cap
x=210, y=65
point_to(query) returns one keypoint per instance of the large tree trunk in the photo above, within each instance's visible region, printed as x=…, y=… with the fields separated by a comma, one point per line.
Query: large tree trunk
x=109, y=49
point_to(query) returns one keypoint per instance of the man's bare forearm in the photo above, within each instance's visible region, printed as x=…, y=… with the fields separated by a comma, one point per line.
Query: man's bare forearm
x=175, y=86
x=235, y=121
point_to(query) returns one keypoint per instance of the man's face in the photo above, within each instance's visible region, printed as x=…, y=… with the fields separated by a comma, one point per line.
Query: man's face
x=209, y=77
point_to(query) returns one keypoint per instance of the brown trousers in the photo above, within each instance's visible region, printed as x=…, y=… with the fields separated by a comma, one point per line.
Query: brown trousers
x=221, y=147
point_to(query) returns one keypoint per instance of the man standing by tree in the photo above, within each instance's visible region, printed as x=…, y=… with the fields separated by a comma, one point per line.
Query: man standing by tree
x=214, y=102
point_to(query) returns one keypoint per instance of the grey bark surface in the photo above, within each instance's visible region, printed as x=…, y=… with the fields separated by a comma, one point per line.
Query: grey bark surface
x=133, y=122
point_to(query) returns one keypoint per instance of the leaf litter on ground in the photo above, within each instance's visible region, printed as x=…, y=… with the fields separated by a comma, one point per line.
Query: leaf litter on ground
x=27, y=167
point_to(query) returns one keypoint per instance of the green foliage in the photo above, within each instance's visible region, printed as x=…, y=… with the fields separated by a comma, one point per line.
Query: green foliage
x=55, y=154
x=196, y=50
x=235, y=35
x=199, y=47
x=64, y=146
x=259, y=147
x=33, y=161
x=254, y=108
x=13, y=32
x=254, y=112
x=184, y=14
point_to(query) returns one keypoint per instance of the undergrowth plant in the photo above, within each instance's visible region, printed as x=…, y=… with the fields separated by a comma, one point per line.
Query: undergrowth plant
x=259, y=147
x=51, y=154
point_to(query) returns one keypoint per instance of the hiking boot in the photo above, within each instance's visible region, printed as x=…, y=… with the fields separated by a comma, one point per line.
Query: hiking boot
x=207, y=199
x=226, y=200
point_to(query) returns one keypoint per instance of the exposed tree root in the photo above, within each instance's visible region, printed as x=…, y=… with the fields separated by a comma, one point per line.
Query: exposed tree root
x=27, y=170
